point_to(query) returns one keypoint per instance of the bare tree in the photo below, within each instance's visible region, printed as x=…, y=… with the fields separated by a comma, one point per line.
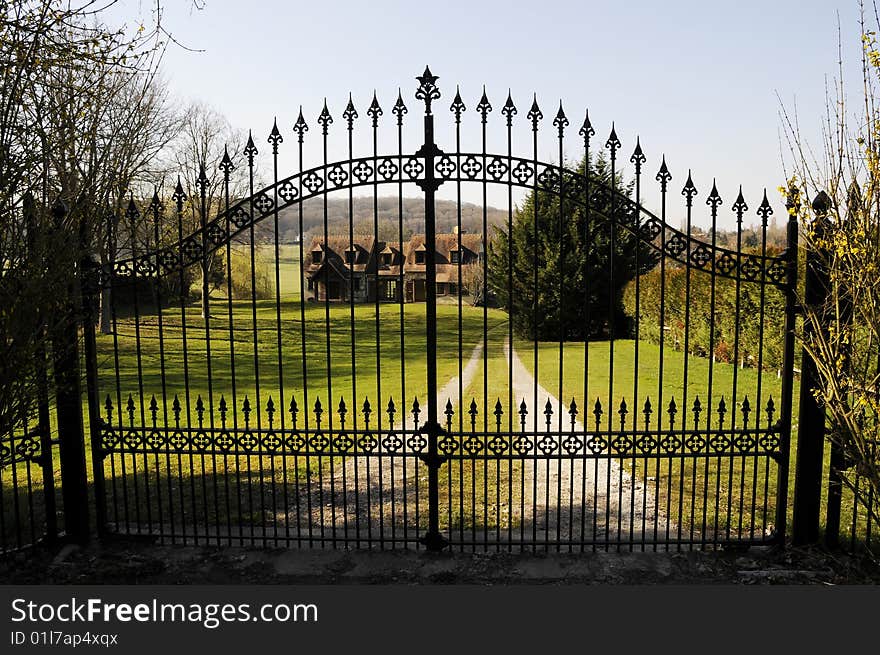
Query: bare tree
x=205, y=138
x=78, y=103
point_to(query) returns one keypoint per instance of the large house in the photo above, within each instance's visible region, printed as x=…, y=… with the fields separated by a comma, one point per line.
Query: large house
x=340, y=270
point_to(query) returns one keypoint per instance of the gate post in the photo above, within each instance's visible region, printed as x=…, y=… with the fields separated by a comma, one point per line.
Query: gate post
x=428, y=92
x=785, y=418
x=68, y=400
x=811, y=420
x=91, y=288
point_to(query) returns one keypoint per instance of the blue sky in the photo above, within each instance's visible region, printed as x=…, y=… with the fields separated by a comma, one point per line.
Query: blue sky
x=697, y=81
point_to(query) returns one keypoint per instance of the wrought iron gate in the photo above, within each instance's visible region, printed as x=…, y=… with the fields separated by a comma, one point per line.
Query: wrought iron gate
x=363, y=417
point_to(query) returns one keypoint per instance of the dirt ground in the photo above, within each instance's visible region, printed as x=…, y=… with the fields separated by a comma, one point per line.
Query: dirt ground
x=139, y=562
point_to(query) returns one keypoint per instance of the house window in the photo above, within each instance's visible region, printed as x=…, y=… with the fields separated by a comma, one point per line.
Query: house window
x=357, y=284
x=350, y=256
x=391, y=290
x=420, y=257
x=386, y=259
x=441, y=289
x=453, y=288
x=454, y=257
x=316, y=256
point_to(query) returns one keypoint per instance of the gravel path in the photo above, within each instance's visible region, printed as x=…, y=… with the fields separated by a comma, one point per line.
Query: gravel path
x=580, y=498
x=554, y=500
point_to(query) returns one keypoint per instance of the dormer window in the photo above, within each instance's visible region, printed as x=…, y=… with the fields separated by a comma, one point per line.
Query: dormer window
x=350, y=256
x=386, y=259
x=453, y=257
x=420, y=257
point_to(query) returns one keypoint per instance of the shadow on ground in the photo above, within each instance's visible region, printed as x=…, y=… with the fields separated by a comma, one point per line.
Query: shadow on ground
x=138, y=562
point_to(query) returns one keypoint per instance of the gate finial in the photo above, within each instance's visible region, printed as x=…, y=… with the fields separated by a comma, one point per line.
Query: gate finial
x=226, y=166
x=765, y=211
x=535, y=114
x=484, y=107
x=399, y=108
x=714, y=199
x=300, y=127
x=509, y=110
x=689, y=190
x=375, y=110
x=638, y=157
x=561, y=121
x=663, y=175
x=428, y=89
x=275, y=137
x=325, y=120
x=457, y=107
x=350, y=113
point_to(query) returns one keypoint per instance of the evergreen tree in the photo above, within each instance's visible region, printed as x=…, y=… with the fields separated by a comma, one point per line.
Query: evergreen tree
x=582, y=257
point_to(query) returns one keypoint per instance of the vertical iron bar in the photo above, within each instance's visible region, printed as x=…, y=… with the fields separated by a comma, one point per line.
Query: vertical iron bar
x=484, y=108
x=202, y=184
x=561, y=122
x=612, y=144
x=300, y=128
x=133, y=215
x=534, y=116
x=664, y=177
x=275, y=139
x=739, y=207
x=179, y=198
x=764, y=211
x=509, y=111
x=399, y=110
x=586, y=132
x=350, y=114
x=638, y=158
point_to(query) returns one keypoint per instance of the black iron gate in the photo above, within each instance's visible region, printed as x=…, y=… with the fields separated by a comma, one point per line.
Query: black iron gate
x=567, y=372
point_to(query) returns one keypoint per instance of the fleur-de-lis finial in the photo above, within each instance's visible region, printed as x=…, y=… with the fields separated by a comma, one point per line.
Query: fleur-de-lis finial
x=457, y=107
x=663, y=175
x=131, y=212
x=374, y=110
x=399, y=108
x=765, y=211
x=250, y=150
x=638, y=157
x=689, y=190
x=483, y=107
x=202, y=181
x=275, y=137
x=561, y=121
x=325, y=120
x=509, y=109
x=613, y=143
x=350, y=113
x=178, y=196
x=226, y=166
x=300, y=127
x=155, y=202
x=714, y=199
x=587, y=130
x=535, y=113
x=427, y=90
x=740, y=206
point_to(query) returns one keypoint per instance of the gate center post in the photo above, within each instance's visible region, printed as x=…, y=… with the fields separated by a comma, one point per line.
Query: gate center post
x=428, y=91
